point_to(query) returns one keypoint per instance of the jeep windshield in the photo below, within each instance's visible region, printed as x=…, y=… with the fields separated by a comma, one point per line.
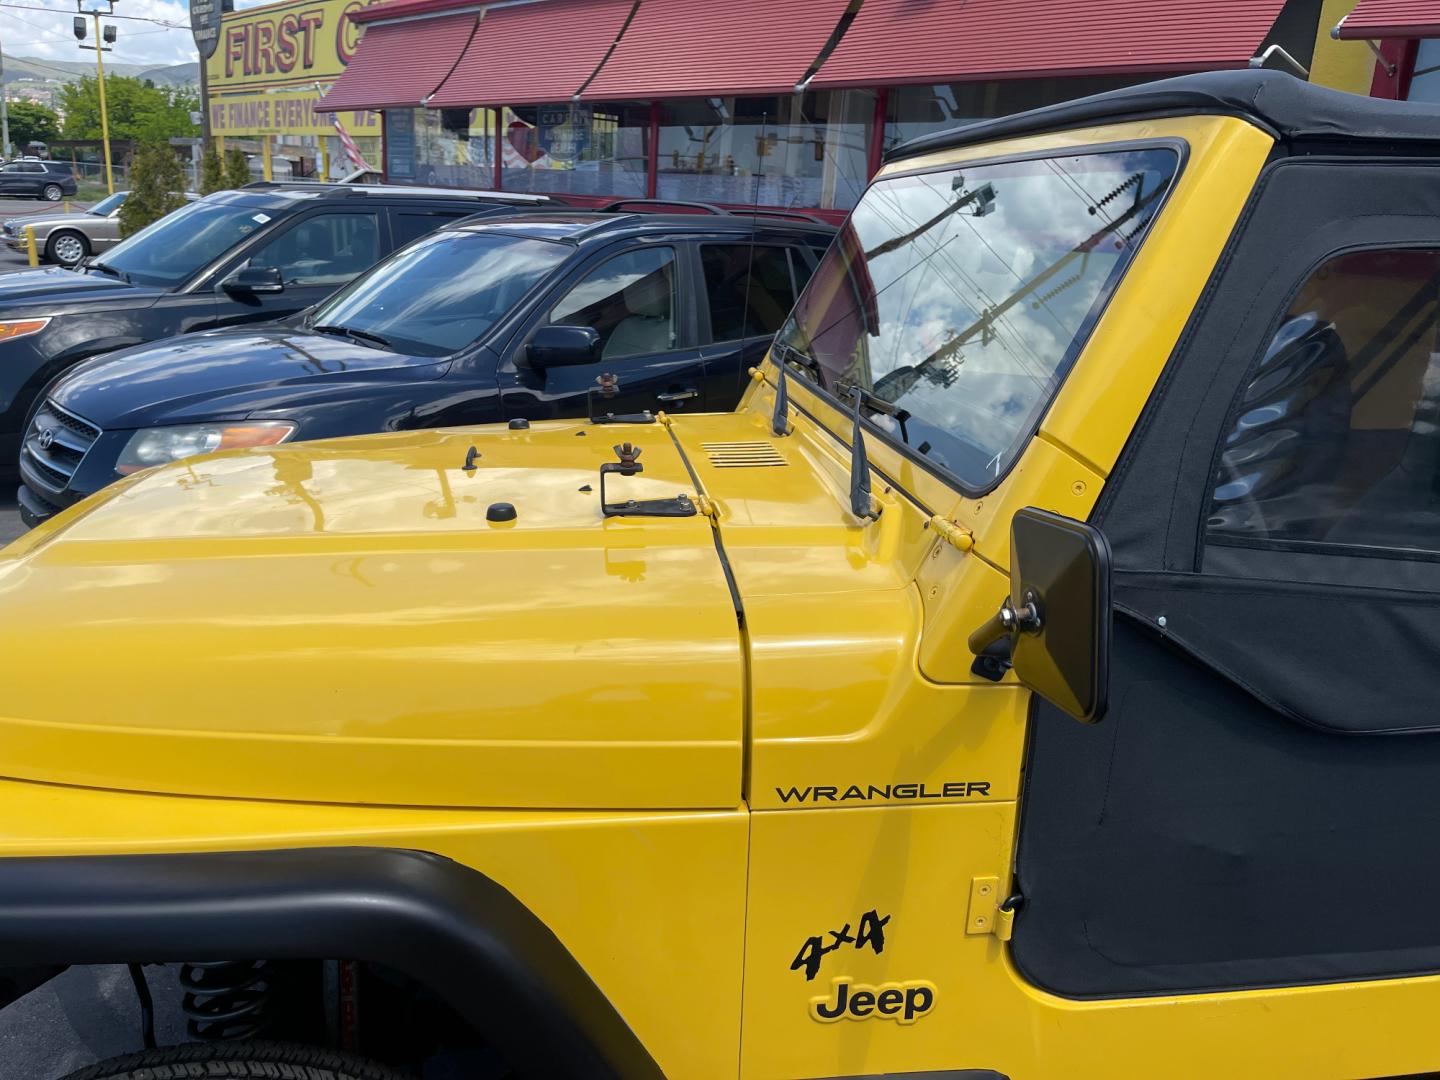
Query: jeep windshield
x=167, y=252
x=954, y=301
x=442, y=292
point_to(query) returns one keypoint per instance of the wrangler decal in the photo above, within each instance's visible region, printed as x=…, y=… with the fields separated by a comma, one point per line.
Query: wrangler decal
x=952, y=789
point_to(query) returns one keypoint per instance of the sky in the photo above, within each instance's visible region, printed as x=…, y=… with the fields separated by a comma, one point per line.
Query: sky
x=43, y=35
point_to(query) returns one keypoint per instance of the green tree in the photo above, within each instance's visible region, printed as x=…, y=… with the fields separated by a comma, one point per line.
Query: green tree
x=156, y=185
x=32, y=122
x=212, y=171
x=237, y=168
x=138, y=109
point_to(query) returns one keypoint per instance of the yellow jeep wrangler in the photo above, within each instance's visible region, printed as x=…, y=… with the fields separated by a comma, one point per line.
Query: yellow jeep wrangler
x=1033, y=678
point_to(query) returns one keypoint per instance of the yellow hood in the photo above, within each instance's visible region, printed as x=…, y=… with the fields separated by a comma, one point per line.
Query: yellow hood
x=339, y=621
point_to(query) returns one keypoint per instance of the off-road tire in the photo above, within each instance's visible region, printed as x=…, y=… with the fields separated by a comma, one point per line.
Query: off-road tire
x=238, y=1061
x=56, y=239
x=52, y=193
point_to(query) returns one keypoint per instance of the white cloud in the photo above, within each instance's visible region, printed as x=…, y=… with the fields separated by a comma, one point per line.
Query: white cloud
x=46, y=36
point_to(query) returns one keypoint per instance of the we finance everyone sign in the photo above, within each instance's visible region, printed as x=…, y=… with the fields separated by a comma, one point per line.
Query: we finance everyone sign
x=283, y=114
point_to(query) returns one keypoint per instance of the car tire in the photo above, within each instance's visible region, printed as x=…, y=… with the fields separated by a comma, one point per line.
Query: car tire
x=52, y=193
x=66, y=247
x=238, y=1061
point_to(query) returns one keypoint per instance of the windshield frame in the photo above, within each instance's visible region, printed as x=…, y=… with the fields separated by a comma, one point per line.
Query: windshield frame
x=505, y=325
x=845, y=408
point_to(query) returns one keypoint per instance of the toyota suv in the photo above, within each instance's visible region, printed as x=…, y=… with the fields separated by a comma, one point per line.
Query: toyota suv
x=500, y=317
x=250, y=255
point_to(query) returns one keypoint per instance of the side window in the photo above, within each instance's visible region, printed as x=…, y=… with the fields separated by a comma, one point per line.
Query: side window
x=1335, y=440
x=629, y=299
x=34, y=167
x=328, y=249
x=413, y=224
x=748, y=296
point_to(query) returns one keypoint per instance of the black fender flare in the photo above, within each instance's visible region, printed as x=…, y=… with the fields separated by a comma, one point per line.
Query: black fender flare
x=450, y=927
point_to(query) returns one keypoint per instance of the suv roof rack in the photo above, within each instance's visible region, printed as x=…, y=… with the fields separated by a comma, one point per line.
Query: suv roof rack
x=343, y=190
x=621, y=205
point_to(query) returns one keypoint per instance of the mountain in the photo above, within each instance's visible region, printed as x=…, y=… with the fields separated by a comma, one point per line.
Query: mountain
x=20, y=68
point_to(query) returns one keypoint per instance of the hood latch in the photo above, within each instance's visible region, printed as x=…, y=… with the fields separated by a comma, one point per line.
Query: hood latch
x=628, y=465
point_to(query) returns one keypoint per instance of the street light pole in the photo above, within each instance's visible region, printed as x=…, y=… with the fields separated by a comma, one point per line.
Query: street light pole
x=108, y=35
x=4, y=110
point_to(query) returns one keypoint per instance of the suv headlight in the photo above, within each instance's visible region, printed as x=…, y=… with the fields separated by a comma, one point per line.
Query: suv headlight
x=159, y=445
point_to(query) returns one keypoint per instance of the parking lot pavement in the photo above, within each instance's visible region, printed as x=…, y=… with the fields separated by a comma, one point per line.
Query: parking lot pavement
x=10, y=526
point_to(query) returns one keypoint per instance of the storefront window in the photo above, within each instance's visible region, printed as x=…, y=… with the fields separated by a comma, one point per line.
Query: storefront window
x=806, y=150
x=1425, y=82
x=919, y=110
x=593, y=148
x=443, y=147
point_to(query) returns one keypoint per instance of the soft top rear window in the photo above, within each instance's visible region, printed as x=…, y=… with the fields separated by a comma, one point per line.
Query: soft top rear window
x=956, y=300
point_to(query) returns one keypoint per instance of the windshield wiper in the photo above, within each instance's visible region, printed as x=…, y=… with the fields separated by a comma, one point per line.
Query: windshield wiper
x=876, y=403
x=364, y=337
x=111, y=270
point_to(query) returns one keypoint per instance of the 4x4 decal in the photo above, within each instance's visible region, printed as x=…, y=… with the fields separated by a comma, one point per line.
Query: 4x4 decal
x=871, y=932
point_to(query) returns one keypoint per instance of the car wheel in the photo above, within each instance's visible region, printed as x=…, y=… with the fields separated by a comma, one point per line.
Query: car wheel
x=52, y=193
x=238, y=1061
x=66, y=247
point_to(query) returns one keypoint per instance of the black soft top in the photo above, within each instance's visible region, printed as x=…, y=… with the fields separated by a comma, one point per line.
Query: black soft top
x=1290, y=108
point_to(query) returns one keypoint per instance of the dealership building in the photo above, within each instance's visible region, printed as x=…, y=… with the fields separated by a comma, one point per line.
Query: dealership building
x=777, y=103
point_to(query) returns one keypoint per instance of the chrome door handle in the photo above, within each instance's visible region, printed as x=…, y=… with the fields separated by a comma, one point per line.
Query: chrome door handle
x=678, y=395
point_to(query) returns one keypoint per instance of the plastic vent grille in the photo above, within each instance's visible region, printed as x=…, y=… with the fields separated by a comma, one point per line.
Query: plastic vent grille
x=743, y=455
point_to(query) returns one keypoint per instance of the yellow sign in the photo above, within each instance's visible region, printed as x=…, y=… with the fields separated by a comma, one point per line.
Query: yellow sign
x=290, y=44
x=283, y=114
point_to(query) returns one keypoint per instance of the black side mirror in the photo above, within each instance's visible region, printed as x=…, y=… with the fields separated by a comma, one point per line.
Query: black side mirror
x=1057, y=616
x=254, y=279
x=563, y=346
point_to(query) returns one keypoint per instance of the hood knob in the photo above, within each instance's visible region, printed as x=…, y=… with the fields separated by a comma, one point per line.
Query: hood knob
x=500, y=512
x=519, y=424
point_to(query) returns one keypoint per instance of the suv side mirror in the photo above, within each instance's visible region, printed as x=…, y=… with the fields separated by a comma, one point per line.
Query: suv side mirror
x=254, y=279
x=1057, y=616
x=563, y=346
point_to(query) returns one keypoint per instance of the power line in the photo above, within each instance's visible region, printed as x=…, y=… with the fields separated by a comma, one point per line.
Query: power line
x=58, y=11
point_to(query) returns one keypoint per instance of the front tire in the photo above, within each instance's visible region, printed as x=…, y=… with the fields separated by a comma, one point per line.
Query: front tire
x=66, y=247
x=52, y=193
x=238, y=1061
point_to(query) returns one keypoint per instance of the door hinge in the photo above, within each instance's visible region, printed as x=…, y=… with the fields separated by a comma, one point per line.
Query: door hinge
x=988, y=914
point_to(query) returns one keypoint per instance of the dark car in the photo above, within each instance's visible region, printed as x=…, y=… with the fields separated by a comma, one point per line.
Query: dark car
x=33, y=178
x=260, y=253
x=491, y=319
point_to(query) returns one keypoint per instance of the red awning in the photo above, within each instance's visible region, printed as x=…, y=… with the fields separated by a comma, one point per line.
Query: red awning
x=901, y=41
x=1392, y=19
x=399, y=64
x=716, y=48
x=530, y=54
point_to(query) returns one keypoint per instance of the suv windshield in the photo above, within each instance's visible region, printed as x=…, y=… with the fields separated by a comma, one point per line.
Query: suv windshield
x=104, y=207
x=442, y=292
x=169, y=251
x=962, y=296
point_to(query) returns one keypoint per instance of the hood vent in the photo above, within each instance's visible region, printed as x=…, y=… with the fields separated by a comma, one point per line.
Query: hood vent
x=743, y=455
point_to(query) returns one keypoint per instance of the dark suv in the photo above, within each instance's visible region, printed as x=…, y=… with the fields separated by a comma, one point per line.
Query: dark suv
x=260, y=253
x=499, y=318
x=32, y=177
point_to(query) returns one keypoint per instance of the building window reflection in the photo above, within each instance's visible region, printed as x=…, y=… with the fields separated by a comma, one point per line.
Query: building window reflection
x=912, y=111
x=441, y=147
x=591, y=148
x=804, y=150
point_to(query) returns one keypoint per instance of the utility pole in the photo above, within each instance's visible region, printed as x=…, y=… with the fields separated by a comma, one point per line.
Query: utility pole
x=102, y=41
x=4, y=109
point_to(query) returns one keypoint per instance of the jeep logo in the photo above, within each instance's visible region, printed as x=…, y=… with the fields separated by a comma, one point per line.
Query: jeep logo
x=903, y=1002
